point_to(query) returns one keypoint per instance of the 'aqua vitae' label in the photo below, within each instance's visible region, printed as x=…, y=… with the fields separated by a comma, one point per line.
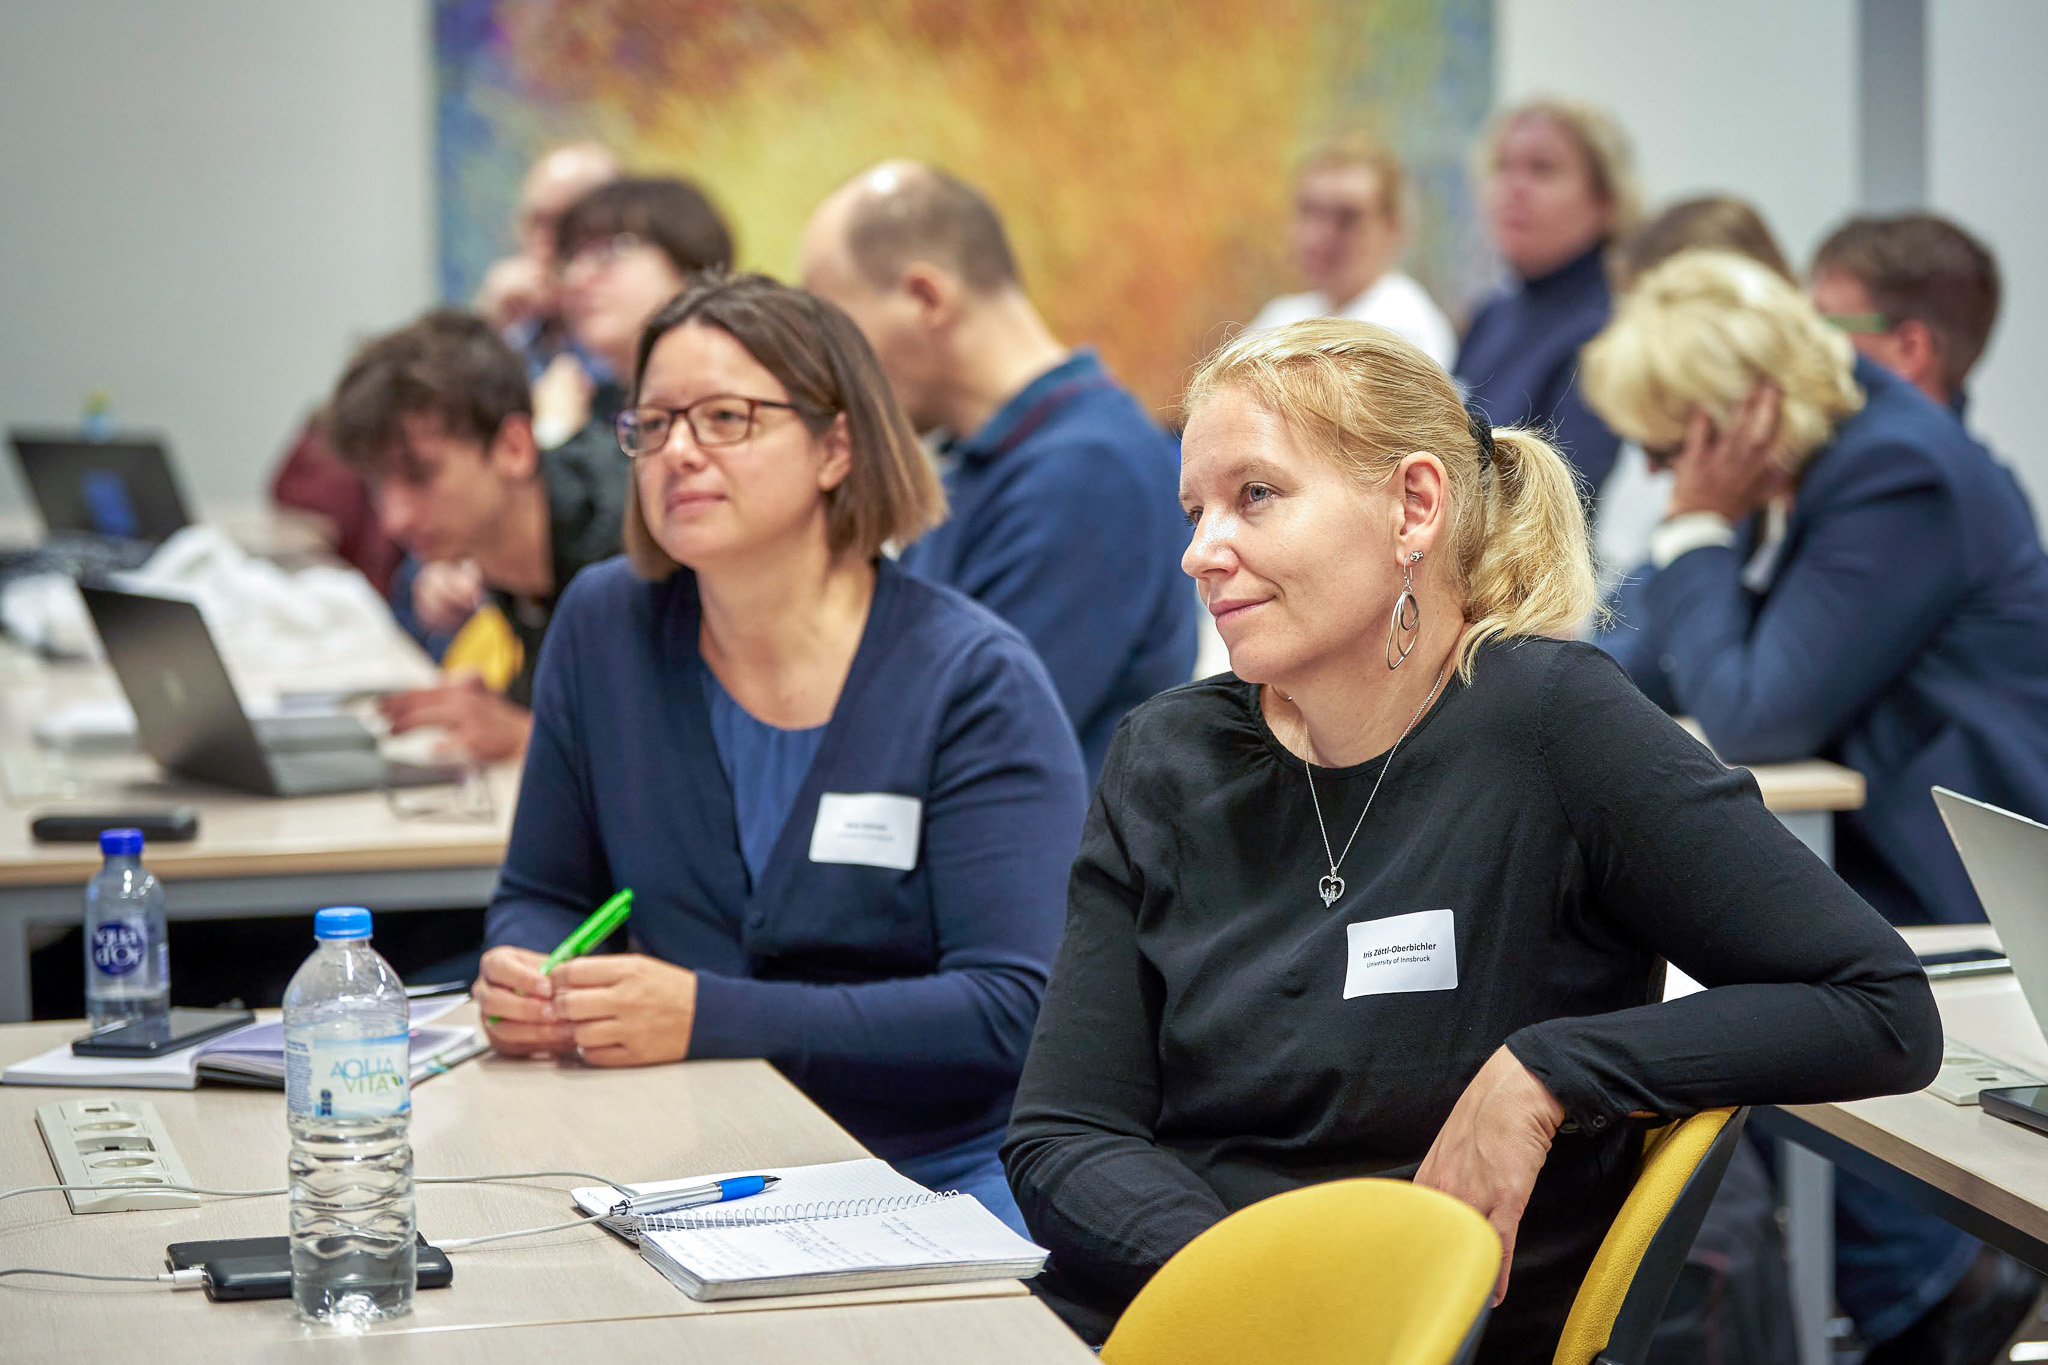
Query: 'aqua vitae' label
x=355, y=1078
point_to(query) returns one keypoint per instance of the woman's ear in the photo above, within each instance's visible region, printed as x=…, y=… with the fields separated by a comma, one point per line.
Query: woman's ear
x=1423, y=484
x=836, y=446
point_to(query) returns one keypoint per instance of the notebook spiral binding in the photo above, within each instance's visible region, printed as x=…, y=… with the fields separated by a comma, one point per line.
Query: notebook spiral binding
x=739, y=1216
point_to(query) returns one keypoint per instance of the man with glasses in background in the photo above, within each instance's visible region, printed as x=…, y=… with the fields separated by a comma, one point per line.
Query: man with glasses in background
x=1917, y=295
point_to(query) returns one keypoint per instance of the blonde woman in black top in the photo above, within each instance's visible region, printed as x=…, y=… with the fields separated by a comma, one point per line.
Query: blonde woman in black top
x=1394, y=897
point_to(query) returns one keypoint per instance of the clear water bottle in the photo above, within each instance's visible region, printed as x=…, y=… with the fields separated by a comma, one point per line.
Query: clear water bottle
x=348, y=1100
x=127, y=953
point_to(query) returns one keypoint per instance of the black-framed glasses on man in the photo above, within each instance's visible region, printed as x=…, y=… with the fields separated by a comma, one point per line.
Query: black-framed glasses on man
x=723, y=419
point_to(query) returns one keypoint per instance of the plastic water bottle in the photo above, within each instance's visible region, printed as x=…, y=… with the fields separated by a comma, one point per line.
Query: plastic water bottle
x=127, y=953
x=348, y=1100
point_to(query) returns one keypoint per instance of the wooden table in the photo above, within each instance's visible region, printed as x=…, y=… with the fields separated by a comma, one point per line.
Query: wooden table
x=255, y=855
x=1983, y=1174
x=581, y=1289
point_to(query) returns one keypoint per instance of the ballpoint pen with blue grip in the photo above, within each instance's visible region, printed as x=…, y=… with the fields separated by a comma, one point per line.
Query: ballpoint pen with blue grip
x=710, y=1192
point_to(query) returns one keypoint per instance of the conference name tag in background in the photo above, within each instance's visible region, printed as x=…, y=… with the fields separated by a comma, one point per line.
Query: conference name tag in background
x=1417, y=952
x=874, y=829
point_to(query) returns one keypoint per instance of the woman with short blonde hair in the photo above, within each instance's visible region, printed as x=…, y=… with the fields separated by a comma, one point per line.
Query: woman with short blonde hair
x=1390, y=897
x=1696, y=333
x=1559, y=187
x=1841, y=572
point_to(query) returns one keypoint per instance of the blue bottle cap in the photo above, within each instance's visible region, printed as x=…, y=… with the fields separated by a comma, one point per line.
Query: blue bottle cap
x=341, y=921
x=121, y=843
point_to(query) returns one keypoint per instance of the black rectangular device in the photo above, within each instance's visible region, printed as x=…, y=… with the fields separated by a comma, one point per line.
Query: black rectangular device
x=180, y=1028
x=261, y=1267
x=117, y=489
x=171, y=825
x=2021, y=1104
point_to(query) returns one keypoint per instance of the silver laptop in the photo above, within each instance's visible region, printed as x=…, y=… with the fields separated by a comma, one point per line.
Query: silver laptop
x=2006, y=856
x=190, y=720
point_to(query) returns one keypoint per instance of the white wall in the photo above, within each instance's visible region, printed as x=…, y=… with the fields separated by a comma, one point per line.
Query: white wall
x=1753, y=97
x=1759, y=98
x=202, y=204
x=1987, y=147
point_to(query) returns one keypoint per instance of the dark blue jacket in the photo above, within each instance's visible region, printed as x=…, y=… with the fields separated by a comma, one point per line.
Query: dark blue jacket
x=1066, y=522
x=902, y=1002
x=1904, y=633
x=1519, y=361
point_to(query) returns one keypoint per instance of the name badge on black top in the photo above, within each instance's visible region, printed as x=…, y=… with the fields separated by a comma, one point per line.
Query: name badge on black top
x=1417, y=952
x=874, y=829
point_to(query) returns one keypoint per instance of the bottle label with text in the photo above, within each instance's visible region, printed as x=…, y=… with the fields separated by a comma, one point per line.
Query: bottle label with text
x=355, y=1078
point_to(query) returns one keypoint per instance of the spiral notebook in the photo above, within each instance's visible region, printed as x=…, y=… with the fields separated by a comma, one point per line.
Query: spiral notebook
x=843, y=1225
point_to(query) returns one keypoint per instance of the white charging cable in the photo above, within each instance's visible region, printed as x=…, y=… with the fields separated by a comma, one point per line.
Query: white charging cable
x=194, y=1277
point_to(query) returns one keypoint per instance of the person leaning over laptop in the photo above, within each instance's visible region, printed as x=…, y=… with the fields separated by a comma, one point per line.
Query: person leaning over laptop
x=844, y=798
x=438, y=415
x=1395, y=898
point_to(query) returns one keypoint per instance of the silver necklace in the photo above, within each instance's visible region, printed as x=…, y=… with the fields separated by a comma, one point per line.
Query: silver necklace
x=1331, y=886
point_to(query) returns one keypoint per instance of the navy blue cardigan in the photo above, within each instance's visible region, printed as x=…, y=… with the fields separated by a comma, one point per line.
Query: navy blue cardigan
x=902, y=1002
x=1904, y=633
x=1519, y=361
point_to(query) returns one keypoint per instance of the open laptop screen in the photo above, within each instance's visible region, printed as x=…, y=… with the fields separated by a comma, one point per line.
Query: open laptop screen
x=124, y=489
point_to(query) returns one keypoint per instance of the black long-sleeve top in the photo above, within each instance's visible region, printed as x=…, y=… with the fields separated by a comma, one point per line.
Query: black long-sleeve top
x=1196, y=1051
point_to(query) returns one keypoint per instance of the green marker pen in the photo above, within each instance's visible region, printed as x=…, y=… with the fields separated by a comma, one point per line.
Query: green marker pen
x=590, y=933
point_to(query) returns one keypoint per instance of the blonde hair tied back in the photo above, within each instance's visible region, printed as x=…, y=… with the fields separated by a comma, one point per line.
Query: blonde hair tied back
x=1515, y=534
x=1699, y=332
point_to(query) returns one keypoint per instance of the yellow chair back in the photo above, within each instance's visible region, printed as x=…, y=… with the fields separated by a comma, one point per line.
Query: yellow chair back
x=1633, y=1273
x=486, y=647
x=1363, y=1272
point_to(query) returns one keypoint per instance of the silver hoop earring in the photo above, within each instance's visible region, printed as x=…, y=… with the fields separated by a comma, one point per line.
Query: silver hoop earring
x=1407, y=618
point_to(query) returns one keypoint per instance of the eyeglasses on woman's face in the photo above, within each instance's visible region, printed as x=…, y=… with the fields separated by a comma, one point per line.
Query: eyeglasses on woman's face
x=601, y=252
x=723, y=419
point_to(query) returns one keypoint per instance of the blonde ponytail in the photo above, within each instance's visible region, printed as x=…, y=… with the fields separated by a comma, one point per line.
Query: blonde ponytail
x=1533, y=570
x=1522, y=562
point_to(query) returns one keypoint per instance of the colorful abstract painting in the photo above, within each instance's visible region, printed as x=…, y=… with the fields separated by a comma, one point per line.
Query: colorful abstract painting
x=1139, y=150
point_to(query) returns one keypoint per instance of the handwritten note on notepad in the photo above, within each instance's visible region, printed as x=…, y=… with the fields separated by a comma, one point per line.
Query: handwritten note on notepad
x=846, y=1225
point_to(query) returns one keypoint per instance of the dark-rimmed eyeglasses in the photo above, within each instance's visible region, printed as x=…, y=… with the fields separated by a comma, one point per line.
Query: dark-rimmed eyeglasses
x=1859, y=324
x=723, y=419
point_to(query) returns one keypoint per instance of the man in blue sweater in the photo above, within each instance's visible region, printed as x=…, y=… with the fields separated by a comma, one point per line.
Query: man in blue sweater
x=1065, y=513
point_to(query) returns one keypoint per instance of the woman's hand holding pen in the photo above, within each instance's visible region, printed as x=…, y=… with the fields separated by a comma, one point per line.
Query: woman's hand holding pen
x=516, y=1001
x=626, y=1009
x=1493, y=1146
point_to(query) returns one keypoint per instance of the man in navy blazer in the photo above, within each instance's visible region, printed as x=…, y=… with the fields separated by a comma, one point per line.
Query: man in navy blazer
x=1887, y=607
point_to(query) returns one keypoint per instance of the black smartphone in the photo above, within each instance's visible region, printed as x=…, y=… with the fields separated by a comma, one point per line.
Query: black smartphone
x=180, y=1028
x=240, y=1268
x=2022, y=1104
x=175, y=824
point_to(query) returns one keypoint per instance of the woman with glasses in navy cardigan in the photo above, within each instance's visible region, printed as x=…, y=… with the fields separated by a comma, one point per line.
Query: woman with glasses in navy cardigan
x=844, y=799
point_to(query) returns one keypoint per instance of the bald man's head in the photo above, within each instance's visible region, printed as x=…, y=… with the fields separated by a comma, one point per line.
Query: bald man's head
x=920, y=262
x=556, y=180
x=903, y=212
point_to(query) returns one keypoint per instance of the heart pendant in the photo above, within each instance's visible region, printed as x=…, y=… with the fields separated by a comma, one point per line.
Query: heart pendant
x=1331, y=887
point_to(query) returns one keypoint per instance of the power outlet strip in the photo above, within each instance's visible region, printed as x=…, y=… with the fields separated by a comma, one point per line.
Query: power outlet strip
x=1965, y=1071
x=118, y=1146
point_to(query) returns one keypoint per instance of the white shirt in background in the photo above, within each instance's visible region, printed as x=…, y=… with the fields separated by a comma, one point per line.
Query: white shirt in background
x=1394, y=302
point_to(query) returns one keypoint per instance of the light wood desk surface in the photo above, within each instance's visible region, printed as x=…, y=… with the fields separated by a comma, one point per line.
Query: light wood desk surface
x=255, y=855
x=491, y=1114
x=1986, y=1164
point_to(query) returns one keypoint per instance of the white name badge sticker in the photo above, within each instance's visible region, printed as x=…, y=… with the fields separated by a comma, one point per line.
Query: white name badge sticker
x=1417, y=952
x=874, y=829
